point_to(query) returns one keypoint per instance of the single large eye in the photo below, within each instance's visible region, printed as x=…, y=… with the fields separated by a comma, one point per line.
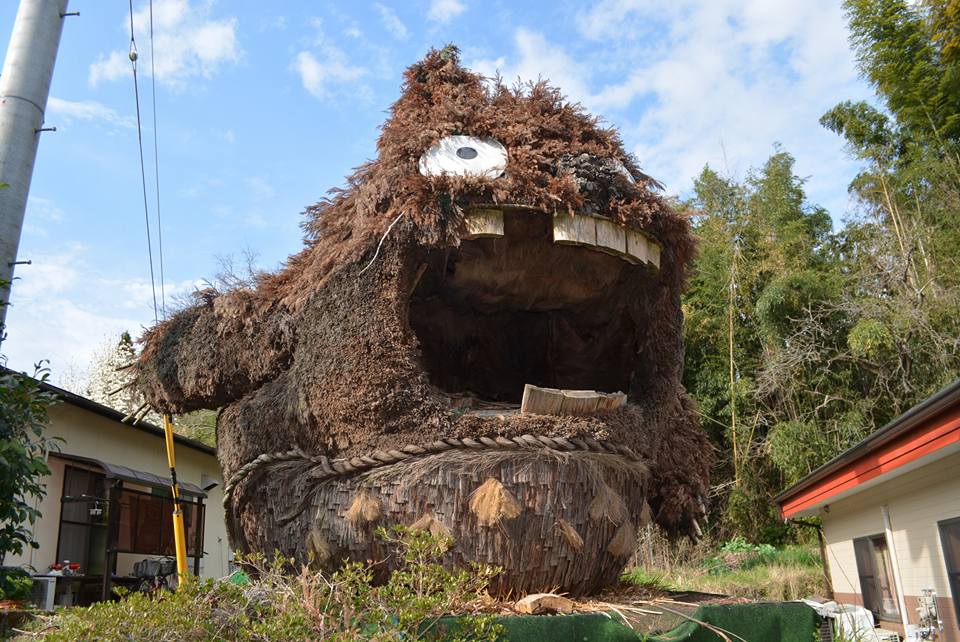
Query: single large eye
x=464, y=156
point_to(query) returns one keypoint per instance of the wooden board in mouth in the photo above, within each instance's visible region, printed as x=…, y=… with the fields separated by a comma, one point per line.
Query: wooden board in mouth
x=553, y=401
x=591, y=232
x=606, y=236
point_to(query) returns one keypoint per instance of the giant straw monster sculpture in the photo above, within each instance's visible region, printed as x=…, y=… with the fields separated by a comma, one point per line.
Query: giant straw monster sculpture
x=501, y=238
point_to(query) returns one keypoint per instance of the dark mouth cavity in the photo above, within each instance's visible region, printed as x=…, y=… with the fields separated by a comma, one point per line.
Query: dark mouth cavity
x=498, y=313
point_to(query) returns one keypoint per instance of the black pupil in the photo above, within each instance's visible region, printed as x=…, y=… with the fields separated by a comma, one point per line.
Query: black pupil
x=467, y=153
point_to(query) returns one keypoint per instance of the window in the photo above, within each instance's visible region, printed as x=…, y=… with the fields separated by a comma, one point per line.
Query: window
x=876, y=576
x=146, y=523
x=83, y=520
x=950, y=540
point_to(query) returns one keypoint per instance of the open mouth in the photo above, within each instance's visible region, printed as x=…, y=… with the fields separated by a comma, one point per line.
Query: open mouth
x=533, y=300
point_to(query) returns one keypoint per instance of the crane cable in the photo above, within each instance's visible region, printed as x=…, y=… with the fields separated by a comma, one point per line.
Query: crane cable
x=156, y=165
x=143, y=173
x=179, y=532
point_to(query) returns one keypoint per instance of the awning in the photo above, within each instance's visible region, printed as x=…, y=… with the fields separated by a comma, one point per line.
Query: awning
x=124, y=473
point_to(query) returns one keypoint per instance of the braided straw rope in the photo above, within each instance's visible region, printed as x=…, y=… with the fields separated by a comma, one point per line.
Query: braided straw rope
x=323, y=468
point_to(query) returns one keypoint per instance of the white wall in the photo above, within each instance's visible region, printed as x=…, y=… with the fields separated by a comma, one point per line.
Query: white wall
x=917, y=500
x=87, y=434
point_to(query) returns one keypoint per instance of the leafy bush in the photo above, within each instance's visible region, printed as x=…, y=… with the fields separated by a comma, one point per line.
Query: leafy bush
x=15, y=584
x=284, y=603
x=738, y=554
x=23, y=451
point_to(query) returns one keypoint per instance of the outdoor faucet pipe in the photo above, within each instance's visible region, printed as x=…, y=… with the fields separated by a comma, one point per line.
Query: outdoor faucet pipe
x=179, y=535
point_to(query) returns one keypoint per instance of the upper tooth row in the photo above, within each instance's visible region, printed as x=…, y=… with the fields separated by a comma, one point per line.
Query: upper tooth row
x=606, y=236
x=589, y=231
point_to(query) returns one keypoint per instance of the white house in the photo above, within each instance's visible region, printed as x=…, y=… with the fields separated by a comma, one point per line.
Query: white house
x=108, y=500
x=890, y=510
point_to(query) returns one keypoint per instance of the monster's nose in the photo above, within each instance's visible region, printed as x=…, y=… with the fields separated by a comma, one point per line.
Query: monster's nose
x=465, y=156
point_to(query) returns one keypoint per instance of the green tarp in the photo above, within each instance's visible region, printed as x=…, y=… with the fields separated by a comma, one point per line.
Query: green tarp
x=773, y=622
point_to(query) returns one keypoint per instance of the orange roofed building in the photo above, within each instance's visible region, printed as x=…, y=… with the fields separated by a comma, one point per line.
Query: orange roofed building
x=890, y=510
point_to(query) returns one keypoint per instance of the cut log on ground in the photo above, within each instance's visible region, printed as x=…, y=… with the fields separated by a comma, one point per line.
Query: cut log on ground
x=544, y=603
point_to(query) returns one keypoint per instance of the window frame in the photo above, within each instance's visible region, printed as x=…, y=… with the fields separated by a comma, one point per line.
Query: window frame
x=88, y=526
x=951, y=564
x=870, y=585
x=193, y=511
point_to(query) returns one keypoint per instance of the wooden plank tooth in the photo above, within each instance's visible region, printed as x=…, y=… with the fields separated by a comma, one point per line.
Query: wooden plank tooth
x=637, y=246
x=611, y=401
x=586, y=230
x=574, y=230
x=654, y=251
x=550, y=401
x=484, y=223
x=611, y=236
x=540, y=401
x=579, y=402
x=565, y=229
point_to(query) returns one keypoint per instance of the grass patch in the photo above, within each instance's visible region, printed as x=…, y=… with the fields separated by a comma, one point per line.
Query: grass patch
x=777, y=582
x=741, y=569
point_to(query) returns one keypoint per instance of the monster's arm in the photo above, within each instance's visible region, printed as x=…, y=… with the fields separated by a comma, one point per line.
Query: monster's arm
x=214, y=352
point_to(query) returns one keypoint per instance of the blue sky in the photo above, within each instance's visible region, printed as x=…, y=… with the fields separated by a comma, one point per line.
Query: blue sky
x=264, y=106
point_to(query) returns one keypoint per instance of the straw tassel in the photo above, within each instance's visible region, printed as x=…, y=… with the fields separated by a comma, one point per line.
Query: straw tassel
x=492, y=502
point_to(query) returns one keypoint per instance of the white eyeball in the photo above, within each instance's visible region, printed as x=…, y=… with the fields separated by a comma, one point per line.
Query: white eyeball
x=464, y=156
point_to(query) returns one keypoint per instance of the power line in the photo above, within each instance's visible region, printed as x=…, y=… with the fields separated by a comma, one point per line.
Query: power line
x=156, y=164
x=143, y=174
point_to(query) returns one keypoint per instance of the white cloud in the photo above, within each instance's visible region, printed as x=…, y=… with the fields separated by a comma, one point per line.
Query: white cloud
x=65, y=306
x=88, y=110
x=443, y=11
x=43, y=209
x=391, y=22
x=320, y=78
x=691, y=83
x=189, y=43
x=335, y=75
x=260, y=189
x=229, y=136
x=113, y=66
x=538, y=58
x=41, y=213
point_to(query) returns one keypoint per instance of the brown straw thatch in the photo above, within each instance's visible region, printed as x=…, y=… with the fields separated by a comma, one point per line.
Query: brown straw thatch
x=365, y=508
x=570, y=534
x=608, y=505
x=393, y=327
x=432, y=525
x=624, y=541
x=492, y=502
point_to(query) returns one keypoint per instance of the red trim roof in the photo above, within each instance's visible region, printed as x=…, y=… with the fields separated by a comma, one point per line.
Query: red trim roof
x=921, y=431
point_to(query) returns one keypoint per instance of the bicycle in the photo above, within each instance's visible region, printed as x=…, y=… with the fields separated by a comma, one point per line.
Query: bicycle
x=153, y=574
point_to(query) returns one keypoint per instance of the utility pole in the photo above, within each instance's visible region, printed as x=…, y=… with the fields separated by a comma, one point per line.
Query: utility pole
x=24, y=85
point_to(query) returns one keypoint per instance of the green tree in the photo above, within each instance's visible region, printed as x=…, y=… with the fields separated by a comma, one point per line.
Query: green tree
x=761, y=266
x=908, y=52
x=23, y=454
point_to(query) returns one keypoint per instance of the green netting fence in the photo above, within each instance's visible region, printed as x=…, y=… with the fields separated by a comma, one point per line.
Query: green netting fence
x=765, y=622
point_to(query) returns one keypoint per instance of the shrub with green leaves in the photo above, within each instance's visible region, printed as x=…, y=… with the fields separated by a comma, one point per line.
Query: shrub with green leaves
x=284, y=603
x=15, y=584
x=23, y=453
x=738, y=554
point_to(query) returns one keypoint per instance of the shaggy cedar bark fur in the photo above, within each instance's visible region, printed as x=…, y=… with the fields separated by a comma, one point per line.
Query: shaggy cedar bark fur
x=323, y=357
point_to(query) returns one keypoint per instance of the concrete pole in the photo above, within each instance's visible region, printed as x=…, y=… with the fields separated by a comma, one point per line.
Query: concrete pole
x=24, y=85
